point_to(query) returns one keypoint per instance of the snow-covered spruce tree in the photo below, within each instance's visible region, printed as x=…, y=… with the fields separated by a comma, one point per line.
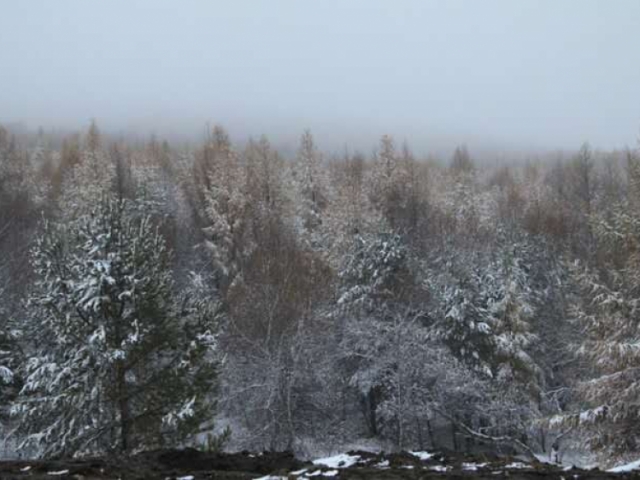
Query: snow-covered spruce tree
x=120, y=361
x=511, y=308
x=375, y=274
x=460, y=307
x=484, y=307
x=517, y=376
x=9, y=358
x=607, y=310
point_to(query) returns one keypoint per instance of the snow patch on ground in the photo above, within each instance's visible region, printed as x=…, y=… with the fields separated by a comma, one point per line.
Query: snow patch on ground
x=629, y=467
x=343, y=460
x=316, y=473
x=439, y=468
x=473, y=466
x=422, y=455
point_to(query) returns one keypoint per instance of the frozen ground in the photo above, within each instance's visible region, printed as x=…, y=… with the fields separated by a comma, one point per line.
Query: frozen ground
x=196, y=465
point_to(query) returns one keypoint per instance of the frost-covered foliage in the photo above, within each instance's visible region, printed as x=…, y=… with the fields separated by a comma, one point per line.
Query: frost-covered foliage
x=85, y=183
x=277, y=380
x=265, y=187
x=350, y=213
x=404, y=377
x=408, y=300
x=376, y=281
x=374, y=273
x=389, y=184
x=309, y=186
x=120, y=360
x=282, y=392
x=225, y=208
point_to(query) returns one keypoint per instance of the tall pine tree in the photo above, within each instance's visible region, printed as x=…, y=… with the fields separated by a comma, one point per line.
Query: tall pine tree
x=120, y=360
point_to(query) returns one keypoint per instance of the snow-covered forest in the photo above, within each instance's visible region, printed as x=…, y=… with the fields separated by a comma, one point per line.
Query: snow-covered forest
x=228, y=295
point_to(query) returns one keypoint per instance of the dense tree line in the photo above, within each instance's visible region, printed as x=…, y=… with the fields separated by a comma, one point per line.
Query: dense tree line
x=151, y=293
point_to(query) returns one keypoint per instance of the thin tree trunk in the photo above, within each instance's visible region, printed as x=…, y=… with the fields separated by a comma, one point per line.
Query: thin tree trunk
x=454, y=436
x=419, y=431
x=432, y=438
x=123, y=407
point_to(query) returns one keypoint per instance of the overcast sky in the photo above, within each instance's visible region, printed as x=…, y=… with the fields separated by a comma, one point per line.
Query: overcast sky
x=525, y=73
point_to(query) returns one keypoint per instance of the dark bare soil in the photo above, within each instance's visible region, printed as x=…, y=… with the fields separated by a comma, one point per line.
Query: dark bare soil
x=191, y=464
